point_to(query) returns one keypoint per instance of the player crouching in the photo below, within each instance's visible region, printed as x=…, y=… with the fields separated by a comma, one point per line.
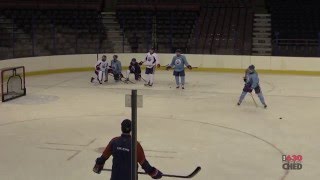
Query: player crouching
x=116, y=69
x=252, y=82
x=135, y=69
x=178, y=63
x=101, y=70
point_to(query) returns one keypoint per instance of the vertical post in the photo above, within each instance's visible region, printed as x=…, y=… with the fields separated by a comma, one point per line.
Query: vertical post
x=277, y=34
x=13, y=36
x=134, y=135
x=171, y=32
x=33, y=34
x=318, y=44
x=123, y=26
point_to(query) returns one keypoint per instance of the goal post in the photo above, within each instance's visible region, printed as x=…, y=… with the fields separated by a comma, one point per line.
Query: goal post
x=12, y=81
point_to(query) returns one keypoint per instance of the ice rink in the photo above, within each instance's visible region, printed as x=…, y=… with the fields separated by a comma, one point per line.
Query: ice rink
x=58, y=130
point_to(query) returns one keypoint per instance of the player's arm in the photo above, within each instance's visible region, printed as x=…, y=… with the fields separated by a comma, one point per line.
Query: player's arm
x=97, y=66
x=120, y=67
x=171, y=65
x=103, y=158
x=157, y=61
x=186, y=63
x=143, y=61
x=152, y=171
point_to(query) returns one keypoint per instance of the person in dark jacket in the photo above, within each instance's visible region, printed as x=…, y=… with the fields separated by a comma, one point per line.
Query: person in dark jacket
x=120, y=149
x=135, y=69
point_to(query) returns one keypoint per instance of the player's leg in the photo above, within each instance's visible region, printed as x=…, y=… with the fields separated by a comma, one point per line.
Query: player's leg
x=100, y=77
x=152, y=75
x=147, y=76
x=182, y=75
x=92, y=78
x=260, y=95
x=116, y=77
x=151, y=79
x=176, y=76
x=245, y=90
x=127, y=75
x=106, y=75
x=242, y=96
x=137, y=76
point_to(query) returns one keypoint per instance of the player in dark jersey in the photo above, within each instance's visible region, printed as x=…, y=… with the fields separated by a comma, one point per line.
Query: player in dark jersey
x=120, y=149
x=135, y=69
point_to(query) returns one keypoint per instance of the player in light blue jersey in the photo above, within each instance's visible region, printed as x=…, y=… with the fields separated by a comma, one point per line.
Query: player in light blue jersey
x=178, y=63
x=252, y=83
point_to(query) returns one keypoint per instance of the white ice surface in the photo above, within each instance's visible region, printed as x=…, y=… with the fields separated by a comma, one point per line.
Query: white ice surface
x=56, y=131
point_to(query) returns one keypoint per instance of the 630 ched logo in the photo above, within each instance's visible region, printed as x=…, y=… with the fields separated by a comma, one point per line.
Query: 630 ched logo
x=292, y=162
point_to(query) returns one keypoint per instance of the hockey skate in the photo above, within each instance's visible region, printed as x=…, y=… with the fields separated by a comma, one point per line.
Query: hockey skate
x=92, y=78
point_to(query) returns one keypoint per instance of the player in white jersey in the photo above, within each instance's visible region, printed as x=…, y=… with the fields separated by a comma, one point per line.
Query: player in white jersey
x=151, y=62
x=101, y=70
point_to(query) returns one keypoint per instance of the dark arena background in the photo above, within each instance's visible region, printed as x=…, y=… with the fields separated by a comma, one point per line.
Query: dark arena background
x=226, y=89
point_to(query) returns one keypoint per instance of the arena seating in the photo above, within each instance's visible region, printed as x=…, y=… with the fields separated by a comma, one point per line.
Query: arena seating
x=164, y=25
x=295, y=27
x=219, y=27
x=48, y=31
x=224, y=27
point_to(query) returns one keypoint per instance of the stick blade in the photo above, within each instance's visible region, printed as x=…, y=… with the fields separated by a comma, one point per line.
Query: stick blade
x=195, y=172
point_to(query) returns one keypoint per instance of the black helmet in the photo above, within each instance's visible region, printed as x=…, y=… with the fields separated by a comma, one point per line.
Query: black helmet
x=252, y=67
x=126, y=126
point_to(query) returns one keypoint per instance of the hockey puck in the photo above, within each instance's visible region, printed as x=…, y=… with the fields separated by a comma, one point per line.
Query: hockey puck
x=280, y=117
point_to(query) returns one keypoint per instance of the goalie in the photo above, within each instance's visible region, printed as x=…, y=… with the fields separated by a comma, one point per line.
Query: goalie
x=101, y=70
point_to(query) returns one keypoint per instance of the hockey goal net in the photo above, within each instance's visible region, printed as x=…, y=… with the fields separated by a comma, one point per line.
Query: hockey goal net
x=12, y=83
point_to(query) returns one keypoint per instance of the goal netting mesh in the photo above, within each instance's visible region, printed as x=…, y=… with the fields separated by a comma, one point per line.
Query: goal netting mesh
x=12, y=83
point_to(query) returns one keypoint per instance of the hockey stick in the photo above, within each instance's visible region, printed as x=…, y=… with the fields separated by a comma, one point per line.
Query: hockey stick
x=254, y=100
x=195, y=172
x=185, y=67
x=120, y=79
x=143, y=79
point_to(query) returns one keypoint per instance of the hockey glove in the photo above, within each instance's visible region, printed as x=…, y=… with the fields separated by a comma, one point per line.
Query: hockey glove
x=153, y=172
x=157, y=174
x=158, y=65
x=189, y=67
x=245, y=79
x=168, y=67
x=99, y=164
x=140, y=63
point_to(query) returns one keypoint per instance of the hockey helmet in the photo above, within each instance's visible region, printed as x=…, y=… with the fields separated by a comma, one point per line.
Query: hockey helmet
x=126, y=126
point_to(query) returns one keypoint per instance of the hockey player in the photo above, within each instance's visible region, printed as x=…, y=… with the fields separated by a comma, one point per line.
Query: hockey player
x=135, y=69
x=120, y=149
x=101, y=70
x=178, y=63
x=151, y=61
x=116, y=68
x=252, y=82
